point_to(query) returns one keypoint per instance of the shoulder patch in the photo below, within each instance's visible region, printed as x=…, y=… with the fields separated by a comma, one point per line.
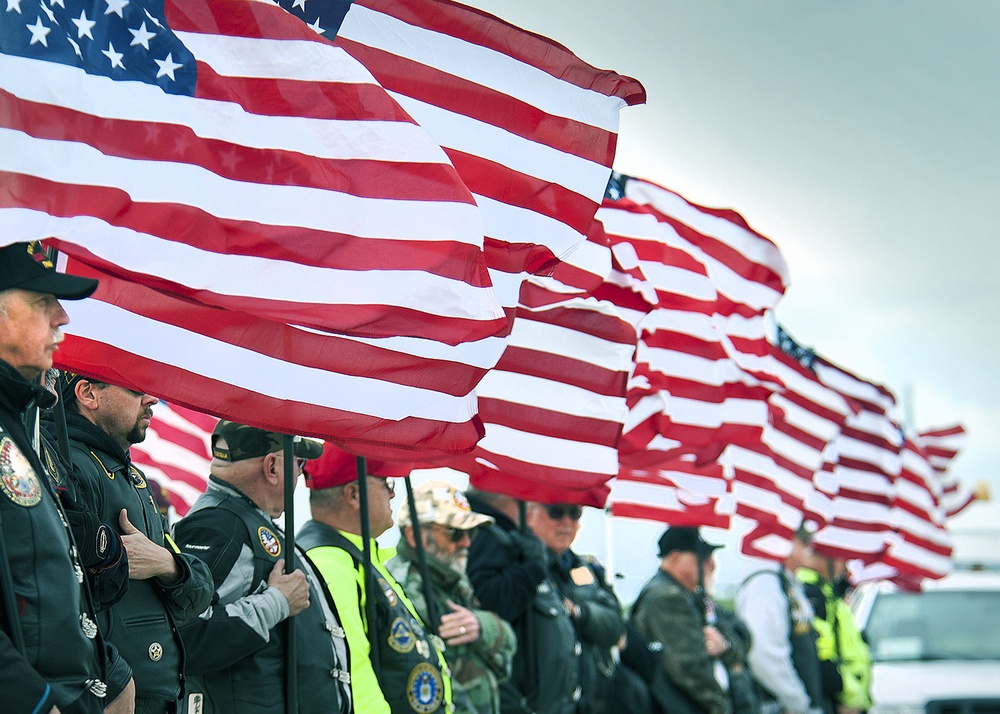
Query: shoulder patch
x=269, y=540
x=137, y=478
x=18, y=479
x=390, y=594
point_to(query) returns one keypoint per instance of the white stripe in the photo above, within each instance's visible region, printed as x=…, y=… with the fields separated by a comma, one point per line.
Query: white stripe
x=269, y=204
x=567, y=342
x=246, y=369
x=548, y=451
x=252, y=276
x=481, y=66
x=551, y=395
x=524, y=155
x=71, y=87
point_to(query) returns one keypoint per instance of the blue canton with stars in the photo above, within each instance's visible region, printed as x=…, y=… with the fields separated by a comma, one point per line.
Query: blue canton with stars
x=120, y=39
x=323, y=16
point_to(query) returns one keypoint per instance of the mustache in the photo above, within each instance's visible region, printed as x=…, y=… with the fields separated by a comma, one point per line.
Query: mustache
x=58, y=336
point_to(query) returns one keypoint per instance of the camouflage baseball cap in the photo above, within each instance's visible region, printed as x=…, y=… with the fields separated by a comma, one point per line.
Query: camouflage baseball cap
x=440, y=502
x=248, y=442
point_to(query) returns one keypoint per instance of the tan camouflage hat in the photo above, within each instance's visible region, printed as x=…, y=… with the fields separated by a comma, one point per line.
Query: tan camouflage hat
x=248, y=442
x=440, y=502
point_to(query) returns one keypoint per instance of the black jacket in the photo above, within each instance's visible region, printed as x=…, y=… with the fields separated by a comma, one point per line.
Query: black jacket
x=509, y=572
x=143, y=625
x=60, y=664
x=599, y=626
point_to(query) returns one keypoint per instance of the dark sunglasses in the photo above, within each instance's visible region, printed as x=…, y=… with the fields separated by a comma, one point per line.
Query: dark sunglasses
x=455, y=535
x=558, y=511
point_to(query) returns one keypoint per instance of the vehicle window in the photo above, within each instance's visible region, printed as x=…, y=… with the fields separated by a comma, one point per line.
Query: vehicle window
x=935, y=625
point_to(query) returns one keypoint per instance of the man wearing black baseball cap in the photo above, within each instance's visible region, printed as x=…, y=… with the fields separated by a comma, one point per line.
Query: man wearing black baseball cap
x=49, y=645
x=671, y=609
x=237, y=649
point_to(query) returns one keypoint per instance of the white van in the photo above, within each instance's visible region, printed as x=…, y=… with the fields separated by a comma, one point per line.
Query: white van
x=936, y=651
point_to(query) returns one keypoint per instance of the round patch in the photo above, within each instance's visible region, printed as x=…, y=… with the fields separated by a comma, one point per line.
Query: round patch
x=137, y=478
x=460, y=500
x=424, y=690
x=390, y=594
x=269, y=540
x=155, y=651
x=401, y=637
x=18, y=479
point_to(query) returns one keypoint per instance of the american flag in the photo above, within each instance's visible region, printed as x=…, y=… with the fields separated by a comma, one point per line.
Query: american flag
x=554, y=406
x=943, y=446
x=220, y=150
x=531, y=128
x=865, y=461
x=683, y=494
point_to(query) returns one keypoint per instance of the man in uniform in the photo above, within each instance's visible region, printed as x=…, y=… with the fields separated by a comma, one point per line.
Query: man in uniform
x=166, y=588
x=480, y=643
x=670, y=609
x=783, y=656
x=50, y=652
x=509, y=570
x=411, y=674
x=238, y=647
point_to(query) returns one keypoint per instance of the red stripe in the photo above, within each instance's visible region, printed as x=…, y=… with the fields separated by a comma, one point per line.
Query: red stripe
x=183, y=439
x=564, y=370
x=488, y=31
x=467, y=98
x=329, y=353
x=505, y=185
x=411, y=438
x=549, y=422
x=693, y=517
x=192, y=226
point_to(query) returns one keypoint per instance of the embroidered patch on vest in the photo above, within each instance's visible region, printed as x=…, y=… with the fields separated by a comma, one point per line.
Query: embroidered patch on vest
x=269, y=540
x=390, y=594
x=18, y=479
x=424, y=689
x=401, y=637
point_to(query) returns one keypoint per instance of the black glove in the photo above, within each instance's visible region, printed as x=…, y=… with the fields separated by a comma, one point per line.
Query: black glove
x=529, y=547
x=99, y=545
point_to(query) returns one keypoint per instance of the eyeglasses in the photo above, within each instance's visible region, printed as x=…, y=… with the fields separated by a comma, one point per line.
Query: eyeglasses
x=455, y=535
x=388, y=483
x=558, y=511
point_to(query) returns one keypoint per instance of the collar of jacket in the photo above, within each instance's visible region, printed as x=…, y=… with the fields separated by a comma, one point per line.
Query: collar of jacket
x=17, y=393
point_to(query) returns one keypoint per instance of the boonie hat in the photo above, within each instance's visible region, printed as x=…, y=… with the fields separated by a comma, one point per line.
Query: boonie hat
x=684, y=539
x=27, y=266
x=247, y=442
x=440, y=502
x=337, y=467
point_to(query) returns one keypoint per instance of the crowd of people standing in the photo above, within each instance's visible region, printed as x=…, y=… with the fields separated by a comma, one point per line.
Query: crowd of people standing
x=483, y=608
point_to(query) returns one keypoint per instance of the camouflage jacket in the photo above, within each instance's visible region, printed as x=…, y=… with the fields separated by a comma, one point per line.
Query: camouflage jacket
x=477, y=668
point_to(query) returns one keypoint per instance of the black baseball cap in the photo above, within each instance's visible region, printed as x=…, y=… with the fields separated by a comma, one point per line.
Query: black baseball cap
x=248, y=442
x=685, y=539
x=27, y=266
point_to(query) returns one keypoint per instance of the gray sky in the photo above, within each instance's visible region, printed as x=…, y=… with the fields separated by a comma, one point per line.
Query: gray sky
x=863, y=139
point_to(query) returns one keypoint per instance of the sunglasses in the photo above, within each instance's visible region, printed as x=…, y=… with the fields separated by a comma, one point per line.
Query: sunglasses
x=455, y=535
x=558, y=511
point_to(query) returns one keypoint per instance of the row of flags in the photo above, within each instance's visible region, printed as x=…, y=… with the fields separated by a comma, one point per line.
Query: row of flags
x=390, y=224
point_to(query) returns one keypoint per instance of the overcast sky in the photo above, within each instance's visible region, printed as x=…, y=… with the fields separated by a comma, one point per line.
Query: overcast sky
x=861, y=137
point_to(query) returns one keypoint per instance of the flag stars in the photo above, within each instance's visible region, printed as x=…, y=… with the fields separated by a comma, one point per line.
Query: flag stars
x=76, y=46
x=83, y=26
x=141, y=36
x=14, y=6
x=115, y=57
x=316, y=28
x=301, y=4
x=117, y=7
x=39, y=33
x=152, y=19
x=167, y=67
x=60, y=3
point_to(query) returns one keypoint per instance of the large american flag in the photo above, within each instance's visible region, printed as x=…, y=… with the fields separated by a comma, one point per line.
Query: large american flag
x=943, y=445
x=220, y=150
